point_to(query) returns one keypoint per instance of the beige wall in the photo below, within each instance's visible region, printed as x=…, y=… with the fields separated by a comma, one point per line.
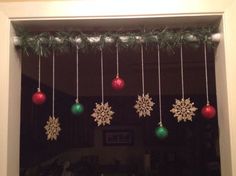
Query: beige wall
x=10, y=64
x=10, y=86
x=91, y=8
x=230, y=62
x=4, y=87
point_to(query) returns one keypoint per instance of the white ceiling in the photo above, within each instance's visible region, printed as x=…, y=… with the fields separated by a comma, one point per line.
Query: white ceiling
x=116, y=23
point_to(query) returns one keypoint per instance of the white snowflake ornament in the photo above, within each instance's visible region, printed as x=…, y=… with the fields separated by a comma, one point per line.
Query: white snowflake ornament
x=52, y=128
x=183, y=109
x=144, y=105
x=102, y=114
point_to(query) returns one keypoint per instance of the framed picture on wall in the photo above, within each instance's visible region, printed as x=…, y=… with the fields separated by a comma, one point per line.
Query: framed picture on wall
x=118, y=137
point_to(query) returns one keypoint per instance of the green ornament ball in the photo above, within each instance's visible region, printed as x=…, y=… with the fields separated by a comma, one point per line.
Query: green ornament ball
x=161, y=132
x=77, y=109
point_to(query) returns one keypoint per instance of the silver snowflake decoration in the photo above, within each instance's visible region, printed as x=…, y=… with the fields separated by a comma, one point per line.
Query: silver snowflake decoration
x=52, y=128
x=144, y=105
x=183, y=109
x=102, y=114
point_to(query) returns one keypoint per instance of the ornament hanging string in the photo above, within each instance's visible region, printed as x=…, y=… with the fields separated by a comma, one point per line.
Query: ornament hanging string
x=182, y=69
x=102, y=86
x=117, y=60
x=77, y=74
x=159, y=83
x=142, y=69
x=206, y=73
x=39, y=70
x=183, y=109
x=53, y=82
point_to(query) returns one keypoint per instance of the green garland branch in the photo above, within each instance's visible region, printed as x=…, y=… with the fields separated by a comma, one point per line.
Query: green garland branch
x=43, y=43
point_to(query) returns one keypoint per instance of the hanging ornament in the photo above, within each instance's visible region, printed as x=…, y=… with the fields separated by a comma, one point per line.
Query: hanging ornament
x=144, y=103
x=160, y=131
x=52, y=126
x=208, y=111
x=77, y=108
x=183, y=109
x=117, y=83
x=39, y=97
x=102, y=113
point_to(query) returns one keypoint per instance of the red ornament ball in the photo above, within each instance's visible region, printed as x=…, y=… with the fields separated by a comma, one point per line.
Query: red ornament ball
x=208, y=111
x=118, y=83
x=38, y=98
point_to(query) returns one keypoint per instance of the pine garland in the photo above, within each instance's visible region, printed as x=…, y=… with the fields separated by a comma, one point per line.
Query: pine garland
x=43, y=43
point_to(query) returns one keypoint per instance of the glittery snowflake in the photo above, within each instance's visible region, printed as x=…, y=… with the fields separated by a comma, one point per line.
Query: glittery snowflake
x=144, y=105
x=183, y=109
x=102, y=114
x=52, y=128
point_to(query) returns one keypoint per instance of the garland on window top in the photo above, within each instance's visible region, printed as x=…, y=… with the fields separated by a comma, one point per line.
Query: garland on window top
x=41, y=43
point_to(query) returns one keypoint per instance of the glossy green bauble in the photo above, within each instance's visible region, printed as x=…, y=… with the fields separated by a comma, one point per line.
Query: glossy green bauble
x=161, y=132
x=77, y=109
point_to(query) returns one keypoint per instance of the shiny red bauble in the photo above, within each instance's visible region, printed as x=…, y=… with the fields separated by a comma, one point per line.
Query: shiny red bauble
x=208, y=111
x=38, y=98
x=118, y=83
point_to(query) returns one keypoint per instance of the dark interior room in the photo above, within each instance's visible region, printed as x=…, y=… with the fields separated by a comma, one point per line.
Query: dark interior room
x=129, y=145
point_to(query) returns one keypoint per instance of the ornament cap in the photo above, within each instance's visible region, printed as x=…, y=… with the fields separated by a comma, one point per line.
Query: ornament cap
x=76, y=100
x=38, y=89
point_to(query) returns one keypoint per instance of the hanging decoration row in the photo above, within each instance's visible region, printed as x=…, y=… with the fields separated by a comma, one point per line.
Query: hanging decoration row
x=41, y=43
x=183, y=109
